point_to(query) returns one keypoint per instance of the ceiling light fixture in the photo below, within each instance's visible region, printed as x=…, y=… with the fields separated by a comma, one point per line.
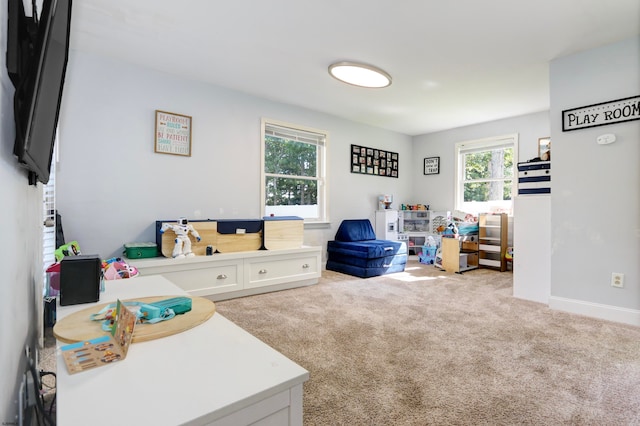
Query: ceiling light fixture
x=360, y=74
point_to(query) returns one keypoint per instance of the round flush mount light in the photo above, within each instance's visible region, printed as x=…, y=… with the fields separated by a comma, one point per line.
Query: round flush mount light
x=360, y=74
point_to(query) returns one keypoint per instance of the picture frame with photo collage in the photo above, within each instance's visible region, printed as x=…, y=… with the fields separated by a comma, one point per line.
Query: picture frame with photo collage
x=372, y=161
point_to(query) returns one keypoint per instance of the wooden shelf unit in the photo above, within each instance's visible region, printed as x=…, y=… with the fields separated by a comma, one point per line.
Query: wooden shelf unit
x=493, y=240
x=460, y=254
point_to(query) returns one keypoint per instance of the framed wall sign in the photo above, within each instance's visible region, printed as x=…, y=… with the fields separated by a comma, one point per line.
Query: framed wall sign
x=432, y=165
x=371, y=161
x=618, y=111
x=544, y=149
x=173, y=134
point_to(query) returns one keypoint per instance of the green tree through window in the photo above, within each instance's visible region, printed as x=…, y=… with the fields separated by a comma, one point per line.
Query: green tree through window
x=488, y=175
x=293, y=172
x=485, y=178
x=295, y=159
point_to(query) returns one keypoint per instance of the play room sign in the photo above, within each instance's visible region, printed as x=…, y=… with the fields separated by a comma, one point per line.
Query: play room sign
x=617, y=111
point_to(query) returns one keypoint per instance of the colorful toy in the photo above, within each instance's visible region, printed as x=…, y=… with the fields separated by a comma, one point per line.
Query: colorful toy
x=69, y=249
x=183, y=244
x=115, y=269
x=451, y=231
x=509, y=254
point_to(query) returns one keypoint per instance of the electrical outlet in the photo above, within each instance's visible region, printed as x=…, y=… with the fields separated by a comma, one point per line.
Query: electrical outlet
x=617, y=279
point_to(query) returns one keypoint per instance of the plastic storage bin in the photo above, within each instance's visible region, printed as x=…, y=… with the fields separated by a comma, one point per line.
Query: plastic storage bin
x=428, y=255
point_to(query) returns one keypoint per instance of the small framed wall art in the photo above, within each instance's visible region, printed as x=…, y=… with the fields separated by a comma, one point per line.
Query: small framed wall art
x=173, y=134
x=432, y=165
x=544, y=149
x=371, y=161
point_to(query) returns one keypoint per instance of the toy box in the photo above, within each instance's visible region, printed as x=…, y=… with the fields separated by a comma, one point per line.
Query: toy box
x=239, y=235
x=206, y=228
x=282, y=232
x=140, y=250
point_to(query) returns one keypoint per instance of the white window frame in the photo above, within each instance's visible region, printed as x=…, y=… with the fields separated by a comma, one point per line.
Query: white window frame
x=321, y=166
x=485, y=144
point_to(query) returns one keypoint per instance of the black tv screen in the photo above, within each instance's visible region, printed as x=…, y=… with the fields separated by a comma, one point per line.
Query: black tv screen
x=39, y=91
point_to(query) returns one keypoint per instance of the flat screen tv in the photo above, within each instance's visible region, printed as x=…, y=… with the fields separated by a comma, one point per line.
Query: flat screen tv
x=37, y=55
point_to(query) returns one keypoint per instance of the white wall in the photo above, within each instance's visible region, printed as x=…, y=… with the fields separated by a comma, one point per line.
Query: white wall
x=112, y=187
x=595, y=200
x=439, y=190
x=20, y=252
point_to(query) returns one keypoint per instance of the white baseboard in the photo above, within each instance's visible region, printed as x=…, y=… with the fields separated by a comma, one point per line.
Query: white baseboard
x=596, y=310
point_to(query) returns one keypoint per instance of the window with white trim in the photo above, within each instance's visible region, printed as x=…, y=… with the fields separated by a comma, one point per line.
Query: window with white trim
x=294, y=171
x=486, y=178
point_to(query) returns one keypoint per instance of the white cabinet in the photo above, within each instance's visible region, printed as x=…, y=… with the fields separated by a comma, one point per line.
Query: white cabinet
x=213, y=374
x=386, y=225
x=275, y=270
x=227, y=275
x=532, y=248
x=203, y=279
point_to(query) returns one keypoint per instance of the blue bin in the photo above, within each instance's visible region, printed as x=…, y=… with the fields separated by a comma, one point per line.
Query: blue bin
x=428, y=255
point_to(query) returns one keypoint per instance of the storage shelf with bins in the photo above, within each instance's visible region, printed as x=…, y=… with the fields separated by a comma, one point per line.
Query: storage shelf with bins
x=493, y=240
x=415, y=226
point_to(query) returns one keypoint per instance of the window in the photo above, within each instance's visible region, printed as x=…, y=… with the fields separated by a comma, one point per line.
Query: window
x=293, y=171
x=485, y=173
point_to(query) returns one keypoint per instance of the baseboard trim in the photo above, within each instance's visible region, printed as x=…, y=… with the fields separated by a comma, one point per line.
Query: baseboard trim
x=596, y=310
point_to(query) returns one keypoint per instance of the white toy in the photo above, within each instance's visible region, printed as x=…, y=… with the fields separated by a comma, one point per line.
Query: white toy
x=183, y=243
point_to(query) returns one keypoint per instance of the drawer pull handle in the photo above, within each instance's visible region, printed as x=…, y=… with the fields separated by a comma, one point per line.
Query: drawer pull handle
x=262, y=271
x=305, y=266
x=222, y=277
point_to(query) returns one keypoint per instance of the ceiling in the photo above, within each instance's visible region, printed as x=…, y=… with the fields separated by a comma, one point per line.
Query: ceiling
x=453, y=63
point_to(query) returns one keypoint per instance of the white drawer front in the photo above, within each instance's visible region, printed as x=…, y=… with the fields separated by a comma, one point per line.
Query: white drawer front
x=205, y=281
x=490, y=262
x=281, y=270
x=489, y=247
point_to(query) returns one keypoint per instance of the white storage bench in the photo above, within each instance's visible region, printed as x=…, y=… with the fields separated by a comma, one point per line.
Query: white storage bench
x=227, y=275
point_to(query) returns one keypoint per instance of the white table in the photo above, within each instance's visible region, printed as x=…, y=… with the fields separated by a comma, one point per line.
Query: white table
x=215, y=373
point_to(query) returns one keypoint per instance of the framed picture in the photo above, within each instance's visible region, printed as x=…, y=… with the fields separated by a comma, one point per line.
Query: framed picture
x=173, y=134
x=432, y=165
x=371, y=161
x=544, y=149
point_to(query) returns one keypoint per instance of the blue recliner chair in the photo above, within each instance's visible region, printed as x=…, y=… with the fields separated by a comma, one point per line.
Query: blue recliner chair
x=356, y=251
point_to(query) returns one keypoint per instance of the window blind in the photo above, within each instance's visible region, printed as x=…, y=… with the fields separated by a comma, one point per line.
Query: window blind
x=294, y=134
x=480, y=146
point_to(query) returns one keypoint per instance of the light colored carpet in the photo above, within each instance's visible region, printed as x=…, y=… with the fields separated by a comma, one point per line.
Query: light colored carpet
x=426, y=347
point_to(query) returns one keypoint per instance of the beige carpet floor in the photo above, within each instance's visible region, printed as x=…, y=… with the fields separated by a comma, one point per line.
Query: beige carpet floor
x=426, y=347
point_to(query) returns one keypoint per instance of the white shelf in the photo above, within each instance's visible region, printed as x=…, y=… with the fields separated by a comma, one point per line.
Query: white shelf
x=489, y=262
x=493, y=240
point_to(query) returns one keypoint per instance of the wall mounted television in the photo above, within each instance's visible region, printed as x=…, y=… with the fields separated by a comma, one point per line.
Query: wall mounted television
x=37, y=55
